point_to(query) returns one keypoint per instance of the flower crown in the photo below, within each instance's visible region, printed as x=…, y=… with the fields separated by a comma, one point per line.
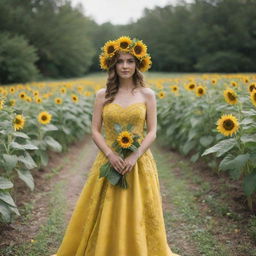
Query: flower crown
x=125, y=44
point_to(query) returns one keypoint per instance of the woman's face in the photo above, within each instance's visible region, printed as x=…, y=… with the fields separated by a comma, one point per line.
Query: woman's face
x=125, y=66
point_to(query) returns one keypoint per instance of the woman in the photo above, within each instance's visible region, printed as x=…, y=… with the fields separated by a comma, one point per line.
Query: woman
x=112, y=220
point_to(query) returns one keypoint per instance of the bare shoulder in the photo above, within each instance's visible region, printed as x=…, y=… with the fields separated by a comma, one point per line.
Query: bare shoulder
x=101, y=92
x=148, y=93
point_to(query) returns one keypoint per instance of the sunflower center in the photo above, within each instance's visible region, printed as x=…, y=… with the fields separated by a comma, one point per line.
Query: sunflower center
x=44, y=117
x=228, y=125
x=192, y=86
x=200, y=91
x=17, y=121
x=124, y=45
x=231, y=96
x=137, y=49
x=252, y=87
x=111, y=49
x=125, y=140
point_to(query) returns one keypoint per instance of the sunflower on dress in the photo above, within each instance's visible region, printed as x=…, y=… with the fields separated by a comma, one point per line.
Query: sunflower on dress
x=125, y=143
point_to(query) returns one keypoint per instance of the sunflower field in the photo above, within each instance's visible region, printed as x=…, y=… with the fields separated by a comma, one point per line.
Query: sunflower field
x=212, y=117
x=36, y=119
x=209, y=116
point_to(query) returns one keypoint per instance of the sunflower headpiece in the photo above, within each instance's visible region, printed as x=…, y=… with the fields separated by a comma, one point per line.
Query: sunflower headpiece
x=125, y=44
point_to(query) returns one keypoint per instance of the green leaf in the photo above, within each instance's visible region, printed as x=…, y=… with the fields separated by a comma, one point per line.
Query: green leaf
x=5, y=212
x=18, y=146
x=104, y=169
x=133, y=148
x=248, y=138
x=26, y=176
x=249, y=184
x=5, y=183
x=188, y=146
x=205, y=141
x=6, y=197
x=44, y=158
x=50, y=127
x=21, y=135
x=27, y=161
x=10, y=161
x=53, y=144
x=113, y=176
x=195, y=157
x=117, y=128
x=221, y=148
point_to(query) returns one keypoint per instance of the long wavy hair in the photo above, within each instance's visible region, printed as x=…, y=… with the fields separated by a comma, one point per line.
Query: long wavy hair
x=113, y=79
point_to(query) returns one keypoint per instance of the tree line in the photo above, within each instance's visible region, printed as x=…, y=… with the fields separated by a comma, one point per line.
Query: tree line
x=42, y=39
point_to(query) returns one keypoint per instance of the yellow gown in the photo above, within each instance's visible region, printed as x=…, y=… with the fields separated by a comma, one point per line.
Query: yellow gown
x=111, y=221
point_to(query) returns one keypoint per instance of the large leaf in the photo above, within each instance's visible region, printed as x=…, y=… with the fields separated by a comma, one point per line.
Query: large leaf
x=50, y=127
x=26, y=176
x=236, y=164
x=5, y=212
x=5, y=183
x=10, y=161
x=248, y=138
x=21, y=135
x=53, y=144
x=188, y=146
x=6, y=197
x=27, y=161
x=221, y=148
x=18, y=146
x=206, y=140
x=249, y=184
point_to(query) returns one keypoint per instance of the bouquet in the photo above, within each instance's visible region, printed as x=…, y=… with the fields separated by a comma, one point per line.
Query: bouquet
x=126, y=142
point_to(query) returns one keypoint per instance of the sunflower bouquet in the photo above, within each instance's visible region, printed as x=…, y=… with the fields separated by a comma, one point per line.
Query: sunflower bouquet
x=125, y=143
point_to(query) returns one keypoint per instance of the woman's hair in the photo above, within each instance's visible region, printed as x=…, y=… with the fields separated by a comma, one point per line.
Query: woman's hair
x=113, y=79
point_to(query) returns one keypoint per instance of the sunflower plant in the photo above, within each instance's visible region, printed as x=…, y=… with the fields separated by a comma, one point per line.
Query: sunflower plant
x=125, y=143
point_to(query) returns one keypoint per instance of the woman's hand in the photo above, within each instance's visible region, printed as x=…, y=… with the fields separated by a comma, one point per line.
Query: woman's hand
x=116, y=161
x=130, y=161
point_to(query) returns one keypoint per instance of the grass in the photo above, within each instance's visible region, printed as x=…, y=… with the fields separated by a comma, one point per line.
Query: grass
x=195, y=215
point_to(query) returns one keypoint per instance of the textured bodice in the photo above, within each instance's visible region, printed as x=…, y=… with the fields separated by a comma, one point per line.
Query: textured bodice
x=134, y=114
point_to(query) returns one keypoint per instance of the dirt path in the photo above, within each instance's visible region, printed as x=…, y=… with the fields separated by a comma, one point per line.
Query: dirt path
x=200, y=215
x=70, y=167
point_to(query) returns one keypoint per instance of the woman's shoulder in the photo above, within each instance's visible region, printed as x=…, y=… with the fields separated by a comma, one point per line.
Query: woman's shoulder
x=147, y=91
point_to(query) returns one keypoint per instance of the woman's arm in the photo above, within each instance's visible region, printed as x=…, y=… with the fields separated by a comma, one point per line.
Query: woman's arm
x=97, y=123
x=116, y=161
x=151, y=119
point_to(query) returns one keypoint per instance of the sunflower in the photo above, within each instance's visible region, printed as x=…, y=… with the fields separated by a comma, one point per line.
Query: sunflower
x=36, y=93
x=103, y=61
x=1, y=104
x=38, y=100
x=125, y=139
x=12, y=102
x=11, y=89
x=200, y=90
x=58, y=100
x=139, y=50
x=251, y=87
x=44, y=117
x=87, y=93
x=123, y=43
x=234, y=84
x=110, y=48
x=214, y=81
x=18, y=122
x=227, y=125
x=22, y=95
x=74, y=98
x=28, y=99
x=161, y=94
x=230, y=96
x=253, y=97
x=145, y=64
x=190, y=86
x=174, y=88
x=63, y=90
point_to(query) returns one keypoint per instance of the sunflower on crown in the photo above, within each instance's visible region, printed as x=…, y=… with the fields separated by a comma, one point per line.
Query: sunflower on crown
x=125, y=44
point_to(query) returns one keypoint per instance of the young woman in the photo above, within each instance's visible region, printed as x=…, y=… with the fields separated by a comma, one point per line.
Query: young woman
x=112, y=220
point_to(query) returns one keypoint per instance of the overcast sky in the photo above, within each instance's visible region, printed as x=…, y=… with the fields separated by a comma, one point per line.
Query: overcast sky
x=119, y=11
